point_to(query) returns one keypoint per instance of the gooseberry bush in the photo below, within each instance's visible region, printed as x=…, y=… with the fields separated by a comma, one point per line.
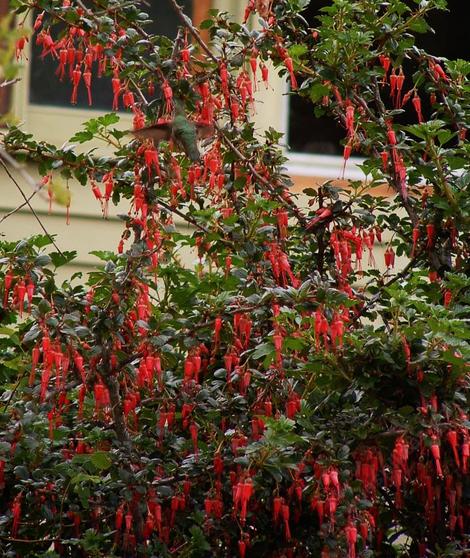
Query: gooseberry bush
x=287, y=395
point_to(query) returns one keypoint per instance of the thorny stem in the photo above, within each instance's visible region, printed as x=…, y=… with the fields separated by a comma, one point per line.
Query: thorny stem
x=186, y=21
x=289, y=204
x=189, y=219
x=28, y=203
x=394, y=279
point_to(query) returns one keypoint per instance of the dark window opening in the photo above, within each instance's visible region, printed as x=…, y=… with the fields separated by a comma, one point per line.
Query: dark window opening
x=47, y=89
x=323, y=135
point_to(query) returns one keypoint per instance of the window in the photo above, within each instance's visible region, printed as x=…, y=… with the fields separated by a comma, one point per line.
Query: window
x=42, y=103
x=314, y=143
x=46, y=88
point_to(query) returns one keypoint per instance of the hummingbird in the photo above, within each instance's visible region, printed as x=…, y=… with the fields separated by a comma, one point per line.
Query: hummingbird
x=181, y=130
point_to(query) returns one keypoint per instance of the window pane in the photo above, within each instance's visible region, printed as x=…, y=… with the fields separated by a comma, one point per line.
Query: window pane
x=307, y=134
x=47, y=89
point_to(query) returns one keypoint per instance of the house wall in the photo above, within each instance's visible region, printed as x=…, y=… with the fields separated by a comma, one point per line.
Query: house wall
x=88, y=230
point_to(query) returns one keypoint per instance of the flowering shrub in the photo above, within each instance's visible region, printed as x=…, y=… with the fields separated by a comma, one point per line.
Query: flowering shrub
x=285, y=397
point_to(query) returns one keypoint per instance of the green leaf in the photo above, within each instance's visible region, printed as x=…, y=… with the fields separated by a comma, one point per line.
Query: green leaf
x=206, y=24
x=318, y=91
x=62, y=259
x=82, y=137
x=101, y=460
x=199, y=544
x=42, y=260
x=108, y=119
x=262, y=350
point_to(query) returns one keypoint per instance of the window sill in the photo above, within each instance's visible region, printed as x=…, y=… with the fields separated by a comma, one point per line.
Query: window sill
x=325, y=166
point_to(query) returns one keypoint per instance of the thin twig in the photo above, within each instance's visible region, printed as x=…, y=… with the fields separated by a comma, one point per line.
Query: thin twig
x=194, y=32
x=290, y=205
x=19, y=169
x=377, y=296
x=28, y=541
x=13, y=391
x=28, y=203
x=9, y=82
x=189, y=220
x=19, y=207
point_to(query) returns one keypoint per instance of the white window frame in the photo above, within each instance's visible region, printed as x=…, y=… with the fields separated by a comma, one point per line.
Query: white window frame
x=316, y=165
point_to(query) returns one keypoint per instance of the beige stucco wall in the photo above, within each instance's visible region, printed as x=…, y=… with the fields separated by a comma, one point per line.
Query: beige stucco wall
x=88, y=230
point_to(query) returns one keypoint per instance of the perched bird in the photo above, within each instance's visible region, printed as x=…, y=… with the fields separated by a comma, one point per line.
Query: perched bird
x=182, y=131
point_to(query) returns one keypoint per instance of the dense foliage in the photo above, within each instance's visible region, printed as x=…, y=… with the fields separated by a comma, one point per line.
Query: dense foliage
x=284, y=397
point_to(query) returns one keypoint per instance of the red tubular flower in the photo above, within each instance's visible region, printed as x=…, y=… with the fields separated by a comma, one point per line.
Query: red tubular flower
x=417, y=106
x=20, y=294
x=128, y=99
x=415, y=236
x=168, y=96
x=218, y=464
x=78, y=361
x=346, y=154
x=19, y=47
x=389, y=257
x=87, y=81
x=400, y=80
x=438, y=72
x=245, y=494
x=185, y=55
x=465, y=455
x=16, y=513
x=7, y=286
x=351, y=538
x=30, y=288
x=337, y=331
x=265, y=75
x=116, y=85
x=452, y=439
x=436, y=453
x=277, y=506
x=151, y=161
x=71, y=57
x=393, y=84
x=249, y=8
x=234, y=108
x=406, y=350
x=224, y=76
x=290, y=68
x=96, y=192
x=447, y=297
x=254, y=63
x=63, y=53
x=385, y=62
x=128, y=521
x=38, y=21
x=76, y=77
x=285, y=513
x=217, y=328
